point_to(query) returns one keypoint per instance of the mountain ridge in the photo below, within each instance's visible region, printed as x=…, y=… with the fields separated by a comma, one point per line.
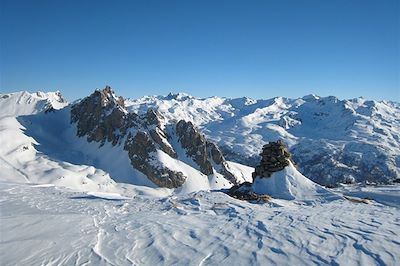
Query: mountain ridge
x=331, y=140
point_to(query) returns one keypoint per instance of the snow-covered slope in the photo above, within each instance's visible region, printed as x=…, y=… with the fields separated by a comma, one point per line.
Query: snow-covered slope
x=20, y=159
x=25, y=103
x=290, y=184
x=56, y=226
x=331, y=140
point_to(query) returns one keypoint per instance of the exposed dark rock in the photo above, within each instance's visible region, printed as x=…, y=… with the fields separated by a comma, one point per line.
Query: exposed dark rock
x=244, y=192
x=216, y=155
x=101, y=117
x=194, y=144
x=153, y=117
x=159, y=136
x=204, y=153
x=274, y=157
x=141, y=150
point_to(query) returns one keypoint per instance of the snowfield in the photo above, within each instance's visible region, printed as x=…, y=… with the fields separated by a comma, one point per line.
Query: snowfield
x=47, y=225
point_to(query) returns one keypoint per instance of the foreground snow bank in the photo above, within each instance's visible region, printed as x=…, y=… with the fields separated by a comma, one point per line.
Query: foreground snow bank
x=204, y=228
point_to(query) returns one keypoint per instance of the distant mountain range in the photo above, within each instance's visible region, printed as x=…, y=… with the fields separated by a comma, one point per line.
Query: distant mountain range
x=181, y=142
x=331, y=140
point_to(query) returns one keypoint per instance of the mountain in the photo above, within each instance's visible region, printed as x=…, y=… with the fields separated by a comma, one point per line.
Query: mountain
x=149, y=140
x=33, y=144
x=98, y=133
x=25, y=103
x=331, y=140
x=167, y=153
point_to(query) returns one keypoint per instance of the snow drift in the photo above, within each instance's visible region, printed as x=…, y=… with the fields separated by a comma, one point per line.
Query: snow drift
x=290, y=184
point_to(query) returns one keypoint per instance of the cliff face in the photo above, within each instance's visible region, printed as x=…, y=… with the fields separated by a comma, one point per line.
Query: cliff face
x=102, y=117
x=203, y=152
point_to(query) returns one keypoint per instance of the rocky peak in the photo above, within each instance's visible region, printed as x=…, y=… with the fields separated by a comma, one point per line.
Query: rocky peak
x=274, y=157
x=107, y=97
x=100, y=116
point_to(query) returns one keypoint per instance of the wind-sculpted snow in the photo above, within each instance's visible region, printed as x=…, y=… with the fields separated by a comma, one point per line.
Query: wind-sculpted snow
x=331, y=140
x=42, y=225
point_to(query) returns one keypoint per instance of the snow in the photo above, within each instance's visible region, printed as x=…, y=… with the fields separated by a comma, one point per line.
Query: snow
x=54, y=225
x=33, y=151
x=105, y=195
x=65, y=201
x=195, y=179
x=290, y=184
x=21, y=162
x=321, y=132
x=25, y=103
x=242, y=172
x=387, y=195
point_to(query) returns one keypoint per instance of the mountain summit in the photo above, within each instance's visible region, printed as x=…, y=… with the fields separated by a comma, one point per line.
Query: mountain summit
x=154, y=147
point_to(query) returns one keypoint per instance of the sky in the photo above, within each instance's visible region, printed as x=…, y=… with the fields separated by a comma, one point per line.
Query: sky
x=258, y=49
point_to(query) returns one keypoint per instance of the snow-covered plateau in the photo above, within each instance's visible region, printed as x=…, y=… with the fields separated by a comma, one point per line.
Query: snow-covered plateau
x=108, y=181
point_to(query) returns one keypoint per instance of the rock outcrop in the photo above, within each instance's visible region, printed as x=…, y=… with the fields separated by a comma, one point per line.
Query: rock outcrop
x=274, y=157
x=204, y=153
x=102, y=117
x=244, y=192
x=141, y=150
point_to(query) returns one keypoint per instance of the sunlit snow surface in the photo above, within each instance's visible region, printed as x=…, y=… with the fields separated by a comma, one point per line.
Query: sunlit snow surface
x=45, y=225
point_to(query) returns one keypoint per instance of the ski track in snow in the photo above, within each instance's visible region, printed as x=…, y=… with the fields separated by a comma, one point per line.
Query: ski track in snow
x=57, y=226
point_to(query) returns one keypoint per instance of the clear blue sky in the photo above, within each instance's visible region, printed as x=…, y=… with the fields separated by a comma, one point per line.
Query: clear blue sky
x=226, y=48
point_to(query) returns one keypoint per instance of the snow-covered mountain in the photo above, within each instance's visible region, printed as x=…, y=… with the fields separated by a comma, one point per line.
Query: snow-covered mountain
x=331, y=140
x=99, y=135
x=25, y=103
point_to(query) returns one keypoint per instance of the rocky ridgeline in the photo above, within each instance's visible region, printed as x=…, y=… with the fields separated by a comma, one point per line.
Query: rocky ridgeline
x=274, y=157
x=102, y=117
